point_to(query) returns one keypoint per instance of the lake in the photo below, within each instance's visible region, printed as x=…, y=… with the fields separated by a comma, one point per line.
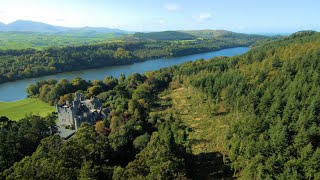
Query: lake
x=13, y=91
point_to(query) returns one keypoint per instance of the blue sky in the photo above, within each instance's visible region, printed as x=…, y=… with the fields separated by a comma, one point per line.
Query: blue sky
x=251, y=16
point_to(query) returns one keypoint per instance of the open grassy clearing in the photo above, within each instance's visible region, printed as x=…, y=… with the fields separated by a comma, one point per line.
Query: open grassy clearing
x=208, y=131
x=18, y=109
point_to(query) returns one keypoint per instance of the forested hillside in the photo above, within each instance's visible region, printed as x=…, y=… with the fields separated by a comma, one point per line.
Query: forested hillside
x=254, y=116
x=273, y=90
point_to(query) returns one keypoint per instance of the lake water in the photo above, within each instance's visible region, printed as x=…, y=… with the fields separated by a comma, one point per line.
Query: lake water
x=15, y=90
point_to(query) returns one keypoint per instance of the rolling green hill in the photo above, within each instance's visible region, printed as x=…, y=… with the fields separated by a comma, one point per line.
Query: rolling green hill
x=210, y=33
x=190, y=35
x=165, y=35
x=23, y=34
x=84, y=36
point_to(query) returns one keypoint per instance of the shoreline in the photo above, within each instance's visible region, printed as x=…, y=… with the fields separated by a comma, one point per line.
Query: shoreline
x=15, y=90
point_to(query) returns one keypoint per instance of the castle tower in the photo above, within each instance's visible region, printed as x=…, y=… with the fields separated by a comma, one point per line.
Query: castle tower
x=77, y=96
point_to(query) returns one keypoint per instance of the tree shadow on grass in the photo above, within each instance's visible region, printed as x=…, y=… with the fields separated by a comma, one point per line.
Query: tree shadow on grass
x=208, y=166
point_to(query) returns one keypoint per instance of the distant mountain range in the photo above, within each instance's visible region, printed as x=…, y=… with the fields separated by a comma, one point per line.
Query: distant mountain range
x=22, y=34
x=32, y=26
x=2, y=25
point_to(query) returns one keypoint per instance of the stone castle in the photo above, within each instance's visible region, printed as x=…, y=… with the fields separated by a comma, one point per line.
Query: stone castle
x=80, y=110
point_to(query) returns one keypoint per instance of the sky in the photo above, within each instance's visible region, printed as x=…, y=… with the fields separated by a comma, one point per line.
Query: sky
x=249, y=16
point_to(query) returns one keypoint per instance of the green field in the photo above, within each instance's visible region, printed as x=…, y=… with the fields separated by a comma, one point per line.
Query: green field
x=24, y=40
x=18, y=109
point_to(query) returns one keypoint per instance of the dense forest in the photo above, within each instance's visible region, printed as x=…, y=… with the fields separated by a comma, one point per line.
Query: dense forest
x=19, y=139
x=27, y=63
x=271, y=93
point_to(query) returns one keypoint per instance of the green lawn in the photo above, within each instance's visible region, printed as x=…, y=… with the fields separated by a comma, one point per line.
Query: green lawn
x=18, y=109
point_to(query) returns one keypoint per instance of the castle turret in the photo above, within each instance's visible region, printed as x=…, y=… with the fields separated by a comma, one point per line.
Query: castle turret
x=77, y=96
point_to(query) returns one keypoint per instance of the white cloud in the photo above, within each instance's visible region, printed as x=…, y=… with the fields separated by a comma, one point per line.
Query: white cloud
x=60, y=20
x=241, y=27
x=205, y=16
x=115, y=26
x=162, y=22
x=171, y=6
